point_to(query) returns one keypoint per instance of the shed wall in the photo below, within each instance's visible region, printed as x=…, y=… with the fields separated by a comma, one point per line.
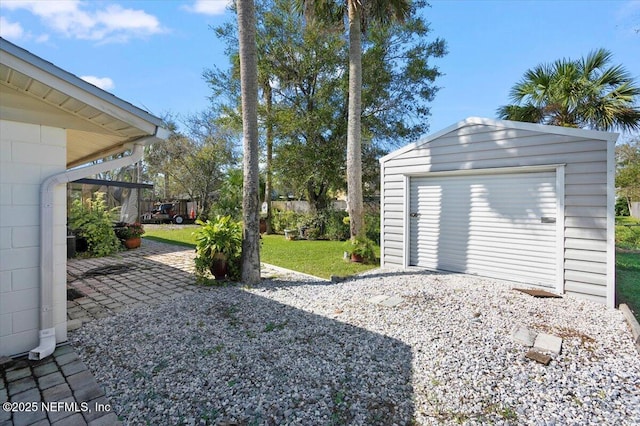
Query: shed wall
x=28, y=154
x=483, y=146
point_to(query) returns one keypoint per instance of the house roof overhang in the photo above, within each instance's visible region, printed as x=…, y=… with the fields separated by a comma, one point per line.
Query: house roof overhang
x=98, y=124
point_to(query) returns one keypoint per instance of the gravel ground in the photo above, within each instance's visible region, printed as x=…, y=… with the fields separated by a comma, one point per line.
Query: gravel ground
x=305, y=352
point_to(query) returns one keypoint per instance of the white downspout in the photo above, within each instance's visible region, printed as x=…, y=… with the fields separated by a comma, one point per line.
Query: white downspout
x=47, y=342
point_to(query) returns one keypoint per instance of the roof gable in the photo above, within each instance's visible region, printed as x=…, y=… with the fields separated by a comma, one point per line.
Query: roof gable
x=474, y=123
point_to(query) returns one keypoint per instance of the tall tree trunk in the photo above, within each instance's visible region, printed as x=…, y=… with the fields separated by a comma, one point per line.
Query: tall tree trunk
x=250, y=187
x=354, y=142
x=268, y=98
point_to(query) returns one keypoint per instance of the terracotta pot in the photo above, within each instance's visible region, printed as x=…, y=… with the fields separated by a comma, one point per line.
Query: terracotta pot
x=132, y=243
x=219, y=268
x=356, y=258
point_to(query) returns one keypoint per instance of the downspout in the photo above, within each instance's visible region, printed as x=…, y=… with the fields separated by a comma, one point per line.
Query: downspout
x=47, y=342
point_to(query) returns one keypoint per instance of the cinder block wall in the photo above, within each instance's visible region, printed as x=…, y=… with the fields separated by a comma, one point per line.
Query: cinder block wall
x=28, y=155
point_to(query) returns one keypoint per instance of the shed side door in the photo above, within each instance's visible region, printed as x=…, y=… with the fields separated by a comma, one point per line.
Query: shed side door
x=493, y=225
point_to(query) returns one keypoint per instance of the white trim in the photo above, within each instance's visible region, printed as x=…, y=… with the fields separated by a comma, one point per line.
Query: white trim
x=560, y=201
x=35, y=67
x=406, y=234
x=382, y=207
x=505, y=124
x=490, y=171
x=611, y=225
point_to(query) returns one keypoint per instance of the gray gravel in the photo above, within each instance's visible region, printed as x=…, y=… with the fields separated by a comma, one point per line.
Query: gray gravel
x=305, y=352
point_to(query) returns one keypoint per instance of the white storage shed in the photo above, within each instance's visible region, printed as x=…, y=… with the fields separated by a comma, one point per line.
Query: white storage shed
x=518, y=201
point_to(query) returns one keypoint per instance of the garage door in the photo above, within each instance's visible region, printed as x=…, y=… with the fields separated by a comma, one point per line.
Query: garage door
x=498, y=225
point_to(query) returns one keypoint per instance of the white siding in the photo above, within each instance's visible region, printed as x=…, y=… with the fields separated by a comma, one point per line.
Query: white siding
x=484, y=144
x=29, y=154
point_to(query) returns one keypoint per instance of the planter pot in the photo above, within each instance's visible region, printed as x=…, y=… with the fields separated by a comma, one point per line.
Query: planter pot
x=132, y=243
x=219, y=268
x=290, y=234
x=356, y=258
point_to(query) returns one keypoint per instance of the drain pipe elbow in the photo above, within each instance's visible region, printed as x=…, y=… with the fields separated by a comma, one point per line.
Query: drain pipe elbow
x=47, y=336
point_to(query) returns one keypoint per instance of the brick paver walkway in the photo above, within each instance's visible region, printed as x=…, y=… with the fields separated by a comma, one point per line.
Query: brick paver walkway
x=151, y=274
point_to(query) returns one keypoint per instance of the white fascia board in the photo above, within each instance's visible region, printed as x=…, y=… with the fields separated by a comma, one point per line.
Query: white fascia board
x=37, y=68
x=506, y=124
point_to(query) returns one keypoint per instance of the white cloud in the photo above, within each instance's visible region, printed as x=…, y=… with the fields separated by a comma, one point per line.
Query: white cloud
x=83, y=20
x=105, y=83
x=10, y=30
x=209, y=7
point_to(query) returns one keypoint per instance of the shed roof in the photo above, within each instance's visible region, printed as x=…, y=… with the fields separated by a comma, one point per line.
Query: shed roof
x=505, y=124
x=98, y=123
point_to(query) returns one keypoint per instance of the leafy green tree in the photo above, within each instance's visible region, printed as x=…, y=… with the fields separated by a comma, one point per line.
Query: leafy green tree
x=358, y=14
x=586, y=93
x=307, y=68
x=194, y=163
x=628, y=171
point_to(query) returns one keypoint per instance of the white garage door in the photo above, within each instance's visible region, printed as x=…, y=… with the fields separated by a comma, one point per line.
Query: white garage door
x=498, y=225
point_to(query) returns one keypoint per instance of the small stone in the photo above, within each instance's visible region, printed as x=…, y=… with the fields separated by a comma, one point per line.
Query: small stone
x=548, y=343
x=392, y=301
x=538, y=357
x=523, y=336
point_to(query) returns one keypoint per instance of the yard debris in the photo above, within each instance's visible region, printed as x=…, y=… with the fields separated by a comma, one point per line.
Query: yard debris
x=538, y=357
x=539, y=293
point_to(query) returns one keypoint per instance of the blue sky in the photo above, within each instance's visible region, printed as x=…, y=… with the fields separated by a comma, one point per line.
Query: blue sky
x=153, y=53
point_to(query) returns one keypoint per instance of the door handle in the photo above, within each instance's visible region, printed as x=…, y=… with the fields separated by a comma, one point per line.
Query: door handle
x=414, y=214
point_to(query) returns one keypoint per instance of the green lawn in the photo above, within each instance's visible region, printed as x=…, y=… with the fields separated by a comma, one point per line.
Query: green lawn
x=318, y=258
x=628, y=280
x=628, y=263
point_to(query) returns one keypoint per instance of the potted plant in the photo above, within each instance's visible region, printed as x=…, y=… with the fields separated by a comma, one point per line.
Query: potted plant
x=219, y=247
x=361, y=249
x=129, y=234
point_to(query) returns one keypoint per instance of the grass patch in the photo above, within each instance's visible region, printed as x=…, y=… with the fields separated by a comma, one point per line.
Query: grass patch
x=628, y=263
x=319, y=258
x=628, y=280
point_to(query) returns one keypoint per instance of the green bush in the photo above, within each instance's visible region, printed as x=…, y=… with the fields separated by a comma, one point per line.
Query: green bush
x=282, y=220
x=336, y=228
x=219, y=239
x=92, y=221
x=372, y=226
x=628, y=236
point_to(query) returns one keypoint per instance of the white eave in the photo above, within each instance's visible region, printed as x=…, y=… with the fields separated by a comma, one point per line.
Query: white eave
x=98, y=123
x=505, y=124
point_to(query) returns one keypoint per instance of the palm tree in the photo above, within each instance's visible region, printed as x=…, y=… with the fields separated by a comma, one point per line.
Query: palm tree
x=586, y=93
x=249, y=93
x=359, y=13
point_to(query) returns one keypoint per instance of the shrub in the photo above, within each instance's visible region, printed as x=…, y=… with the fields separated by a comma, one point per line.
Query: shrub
x=363, y=247
x=372, y=226
x=92, y=221
x=628, y=236
x=282, y=220
x=221, y=237
x=129, y=230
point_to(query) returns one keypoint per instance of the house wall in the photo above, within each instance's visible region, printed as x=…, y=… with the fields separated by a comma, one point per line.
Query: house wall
x=588, y=240
x=29, y=154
